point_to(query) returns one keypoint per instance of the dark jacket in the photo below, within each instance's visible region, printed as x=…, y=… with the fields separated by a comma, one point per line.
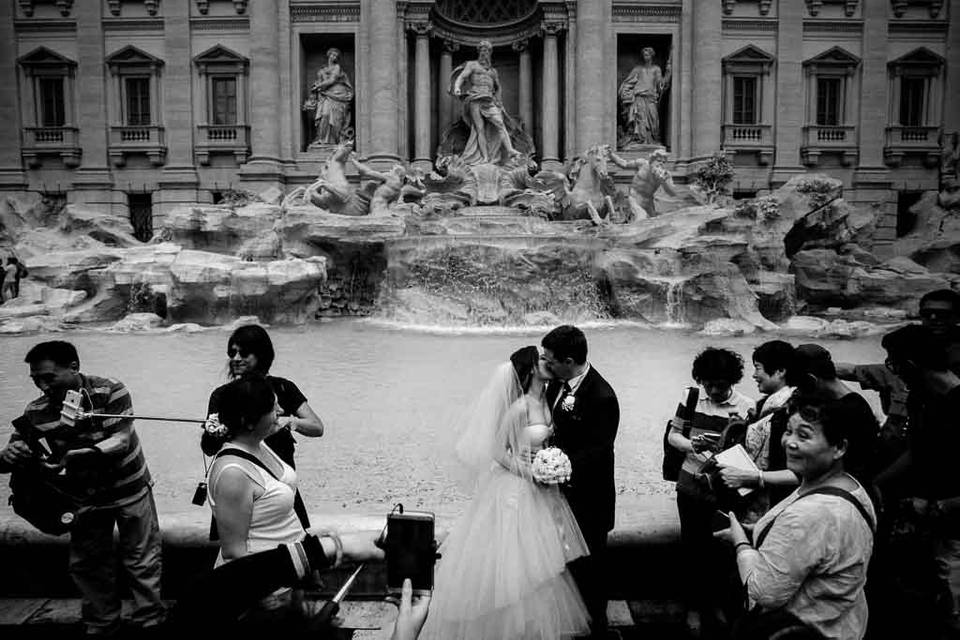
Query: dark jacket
x=586, y=434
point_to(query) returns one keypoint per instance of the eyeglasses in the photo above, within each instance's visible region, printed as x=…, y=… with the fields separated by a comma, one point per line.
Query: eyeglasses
x=233, y=352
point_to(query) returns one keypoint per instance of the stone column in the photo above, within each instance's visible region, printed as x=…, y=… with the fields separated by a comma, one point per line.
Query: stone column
x=383, y=97
x=593, y=33
x=445, y=103
x=92, y=183
x=178, y=182
x=790, y=118
x=264, y=164
x=550, y=118
x=11, y=172
x=526, y=84
x=421, y=105
x=707, y=78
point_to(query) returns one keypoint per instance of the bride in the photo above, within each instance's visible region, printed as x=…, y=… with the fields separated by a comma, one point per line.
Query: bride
x=502, y=573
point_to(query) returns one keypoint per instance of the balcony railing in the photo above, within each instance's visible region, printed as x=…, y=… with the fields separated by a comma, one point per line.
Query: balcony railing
x=922, y=141
x=127, y=139
x=836, y=139
x=227, y=138
x=749, y=137
x=51, y=141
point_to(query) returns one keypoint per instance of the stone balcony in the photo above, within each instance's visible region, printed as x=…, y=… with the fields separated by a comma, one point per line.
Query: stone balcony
x=133, y=139
x=51, y=141
x=918, y=141
x=750, y=138
x=819, y=139
x=222, y=138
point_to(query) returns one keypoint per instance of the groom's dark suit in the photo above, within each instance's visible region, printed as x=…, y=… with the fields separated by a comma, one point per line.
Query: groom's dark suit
x=585, y=432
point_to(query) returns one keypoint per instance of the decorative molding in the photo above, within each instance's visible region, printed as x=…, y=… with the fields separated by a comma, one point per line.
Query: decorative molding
x=114, y=6
x=327, y=13
x=203, y=6
x=900, y=6
x=922, y=28
x=728, y=6
x=450, y=45
x=442, y=32
x=226, y=24
x=765, y=7
x=832, y=26
x=520, y=45
x=133, y=24
x=46, y=25
x=553, y=28
x=152, y=6
x=27, y=7
x=749, y=58
x=419, y=28
x=749, y=24
x=240, y=6
x=920, y=61
x=623, y=12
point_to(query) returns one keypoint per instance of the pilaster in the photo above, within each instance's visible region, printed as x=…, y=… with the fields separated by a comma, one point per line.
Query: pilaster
x=11, y=169
x=707, y=77
x=788, y=125
x=873, y=90
x=951, y=98
x=93, y=182
x=179, y=171
x=525, y=80
x=445, y=104
x=550, y=117
x=421, y=107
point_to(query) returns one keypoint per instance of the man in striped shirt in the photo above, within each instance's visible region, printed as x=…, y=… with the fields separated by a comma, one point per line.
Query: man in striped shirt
x=100, y=463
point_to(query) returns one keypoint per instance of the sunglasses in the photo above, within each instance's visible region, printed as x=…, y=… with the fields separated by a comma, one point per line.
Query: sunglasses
x=233, y=352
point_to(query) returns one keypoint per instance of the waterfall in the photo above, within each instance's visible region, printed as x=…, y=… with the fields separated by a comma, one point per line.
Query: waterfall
x=673, y=307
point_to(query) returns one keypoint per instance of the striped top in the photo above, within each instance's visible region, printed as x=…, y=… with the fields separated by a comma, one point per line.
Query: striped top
x=118, y=477
x=709, y=417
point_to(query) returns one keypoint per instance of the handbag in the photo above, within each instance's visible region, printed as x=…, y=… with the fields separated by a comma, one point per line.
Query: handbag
x=35, y=499
x=673, y=457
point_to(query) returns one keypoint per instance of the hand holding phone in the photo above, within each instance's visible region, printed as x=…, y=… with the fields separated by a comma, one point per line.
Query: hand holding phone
x=411, y=551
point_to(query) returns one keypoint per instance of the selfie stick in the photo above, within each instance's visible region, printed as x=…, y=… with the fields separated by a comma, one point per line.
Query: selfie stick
x=332, y=606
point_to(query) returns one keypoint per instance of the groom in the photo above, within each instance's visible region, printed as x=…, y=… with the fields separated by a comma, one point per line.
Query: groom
x=585, y=417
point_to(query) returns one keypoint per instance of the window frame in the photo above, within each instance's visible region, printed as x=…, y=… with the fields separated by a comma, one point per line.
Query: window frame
x=749, y=61
x=39, y=66
x=129, y=63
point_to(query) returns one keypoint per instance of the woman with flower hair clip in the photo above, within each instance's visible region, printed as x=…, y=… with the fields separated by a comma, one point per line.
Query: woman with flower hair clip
x=502, y=573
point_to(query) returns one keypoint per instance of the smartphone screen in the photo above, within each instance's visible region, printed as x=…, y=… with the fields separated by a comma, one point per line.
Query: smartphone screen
x=410, y=550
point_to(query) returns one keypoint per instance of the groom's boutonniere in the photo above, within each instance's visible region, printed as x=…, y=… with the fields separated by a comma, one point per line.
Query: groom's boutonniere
x=568, y=402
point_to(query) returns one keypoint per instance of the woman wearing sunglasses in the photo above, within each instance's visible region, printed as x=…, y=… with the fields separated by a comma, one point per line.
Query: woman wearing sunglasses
x=250, y=353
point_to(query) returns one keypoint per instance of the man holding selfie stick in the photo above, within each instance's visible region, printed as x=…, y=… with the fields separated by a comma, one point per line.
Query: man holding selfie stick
x=100, y=460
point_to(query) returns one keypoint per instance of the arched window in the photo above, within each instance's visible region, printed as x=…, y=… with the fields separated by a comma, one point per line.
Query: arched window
x=486, y=12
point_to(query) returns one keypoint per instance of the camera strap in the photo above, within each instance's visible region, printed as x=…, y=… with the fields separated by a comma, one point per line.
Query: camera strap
x=240, y=453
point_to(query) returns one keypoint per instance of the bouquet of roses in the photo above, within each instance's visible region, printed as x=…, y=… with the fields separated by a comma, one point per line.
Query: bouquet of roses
x=551, y=466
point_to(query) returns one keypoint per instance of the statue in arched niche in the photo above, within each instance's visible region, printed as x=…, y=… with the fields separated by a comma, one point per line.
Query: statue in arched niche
x=330, y=97
x=640, y=94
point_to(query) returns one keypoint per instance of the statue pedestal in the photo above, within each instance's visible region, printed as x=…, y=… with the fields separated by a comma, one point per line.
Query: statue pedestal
x=639, y=150
x=323, y=148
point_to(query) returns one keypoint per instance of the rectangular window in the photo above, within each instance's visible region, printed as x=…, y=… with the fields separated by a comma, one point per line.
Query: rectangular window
x=51, y=102
x=137, y=100
x=744, y=100
x=911, y=102
x=829, y=101
x=224, y=99
x=141, y=215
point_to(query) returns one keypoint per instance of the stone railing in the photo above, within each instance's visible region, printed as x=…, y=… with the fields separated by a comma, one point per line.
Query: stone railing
x=129, y=139
x=227, y=138
x=822, y=138
x=921, y=141
x=750, y=138
x=62, y=141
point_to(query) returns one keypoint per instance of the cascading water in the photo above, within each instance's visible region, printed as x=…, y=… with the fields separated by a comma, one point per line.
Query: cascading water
x=673, y=308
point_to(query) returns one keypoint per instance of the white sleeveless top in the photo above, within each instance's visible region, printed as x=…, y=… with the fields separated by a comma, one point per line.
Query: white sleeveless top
x=273, y=520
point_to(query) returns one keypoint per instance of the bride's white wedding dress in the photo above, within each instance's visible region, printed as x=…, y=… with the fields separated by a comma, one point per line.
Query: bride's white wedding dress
x=502, y=573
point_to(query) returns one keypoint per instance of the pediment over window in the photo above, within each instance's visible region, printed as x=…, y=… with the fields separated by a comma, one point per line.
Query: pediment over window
x=836, y=58
x=748, y=58
x=222, y=58
x=45, y=58
x=920, y=61
x=133, y=57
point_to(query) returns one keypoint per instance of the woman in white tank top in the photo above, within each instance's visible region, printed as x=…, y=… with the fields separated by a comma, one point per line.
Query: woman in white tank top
x=251, y=489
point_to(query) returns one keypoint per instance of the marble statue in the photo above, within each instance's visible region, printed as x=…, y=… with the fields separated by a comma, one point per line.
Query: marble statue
x=477, y=85
x=640, y=94
x=388, y=188
x=584, y=190
x=330, y=97
x=949, y=158
x=650, y=176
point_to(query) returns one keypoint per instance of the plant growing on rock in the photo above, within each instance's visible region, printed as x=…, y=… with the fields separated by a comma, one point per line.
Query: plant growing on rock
x=715, y=175
x=768, y=208
x=819, y=191
x=238, y=198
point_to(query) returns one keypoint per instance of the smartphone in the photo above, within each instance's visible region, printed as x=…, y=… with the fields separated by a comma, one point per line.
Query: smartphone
x=411, y=550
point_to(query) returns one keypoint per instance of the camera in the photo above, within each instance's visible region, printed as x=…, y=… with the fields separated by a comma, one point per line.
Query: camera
x=411, y=550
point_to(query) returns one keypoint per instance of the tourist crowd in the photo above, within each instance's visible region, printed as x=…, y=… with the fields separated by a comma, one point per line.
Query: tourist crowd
x=801, y=515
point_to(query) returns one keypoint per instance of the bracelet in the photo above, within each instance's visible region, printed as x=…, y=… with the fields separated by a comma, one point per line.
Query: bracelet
x=760, y=481
x=742, y=543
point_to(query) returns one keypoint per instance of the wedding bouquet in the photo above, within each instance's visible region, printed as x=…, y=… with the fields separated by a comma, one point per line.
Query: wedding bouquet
x=551, y=466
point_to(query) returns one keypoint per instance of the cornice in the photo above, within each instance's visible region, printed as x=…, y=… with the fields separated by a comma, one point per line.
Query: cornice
x=628, y=12
x=325, y=12
x=44, y=25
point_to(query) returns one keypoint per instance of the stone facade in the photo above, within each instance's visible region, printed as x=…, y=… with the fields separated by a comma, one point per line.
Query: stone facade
x=139, y=106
